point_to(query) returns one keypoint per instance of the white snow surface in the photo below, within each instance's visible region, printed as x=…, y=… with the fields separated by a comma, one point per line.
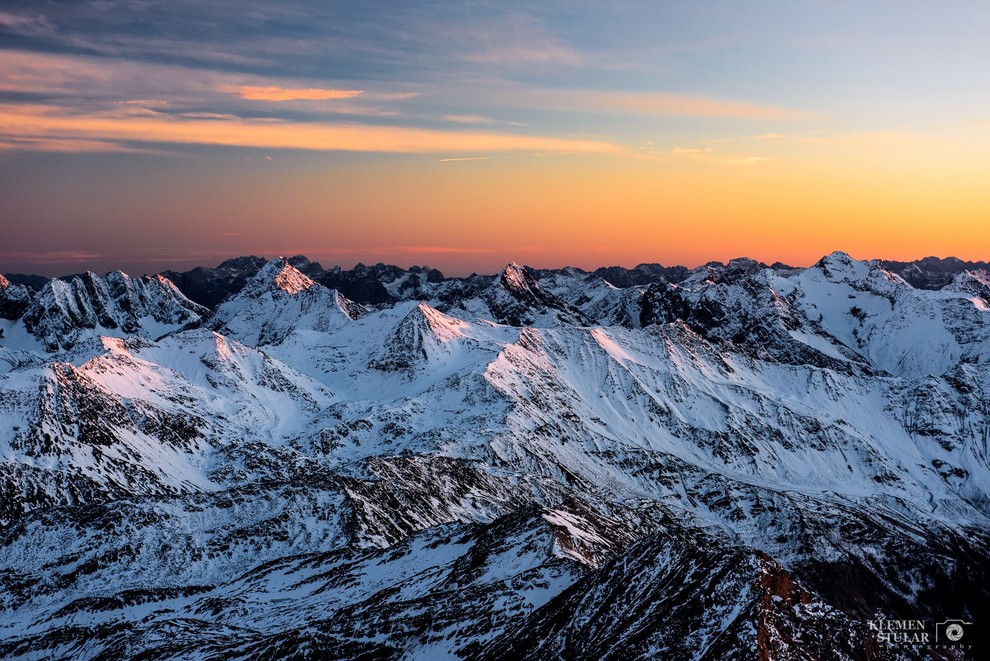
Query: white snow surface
x=197, y=442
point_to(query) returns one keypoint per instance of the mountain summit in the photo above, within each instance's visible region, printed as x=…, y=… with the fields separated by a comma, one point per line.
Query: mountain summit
x=14, y=299
x=733, y=461
x=279, y=300
x=65, y=313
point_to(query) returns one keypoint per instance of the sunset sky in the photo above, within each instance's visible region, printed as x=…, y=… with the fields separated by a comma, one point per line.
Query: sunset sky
x=147, y=135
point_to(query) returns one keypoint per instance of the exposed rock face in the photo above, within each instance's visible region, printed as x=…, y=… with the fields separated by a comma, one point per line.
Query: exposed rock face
x=736, y=462
x=933, y=272
x=62, y=312
x=210, y=286
x=684, y=597
x=279, y=300
x=14, y=299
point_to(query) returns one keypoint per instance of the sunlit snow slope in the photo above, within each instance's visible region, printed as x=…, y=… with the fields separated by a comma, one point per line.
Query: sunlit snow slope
x=746, y=462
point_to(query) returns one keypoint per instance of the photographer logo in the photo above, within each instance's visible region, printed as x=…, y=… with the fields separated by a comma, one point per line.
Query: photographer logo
x=950, y=631
x=948, y=634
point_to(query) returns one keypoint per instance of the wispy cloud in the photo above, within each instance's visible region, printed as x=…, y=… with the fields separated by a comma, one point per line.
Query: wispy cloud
x=610, y=102
x=709, y=155
x=295, y=94
x=513, y=40
x=695, y=106
x=146, y=103
x=121, y=105
x=469, y=119
x=92, y=82
x=879, y=141
x=69, y=146
x=872, y=140
x=43, y=73
x=480, y=120
x=38, y=122
x=49, y=256
x=661, y=104
x=525, y=52
x=392, y=96
x=116, y=105
x=745, y=138
x=28, y=25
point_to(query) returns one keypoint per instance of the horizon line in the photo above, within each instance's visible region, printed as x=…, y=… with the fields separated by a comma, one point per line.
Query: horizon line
x=410, y=266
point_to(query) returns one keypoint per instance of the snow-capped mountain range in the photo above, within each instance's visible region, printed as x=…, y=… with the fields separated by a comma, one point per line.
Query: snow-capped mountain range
x=734, y=461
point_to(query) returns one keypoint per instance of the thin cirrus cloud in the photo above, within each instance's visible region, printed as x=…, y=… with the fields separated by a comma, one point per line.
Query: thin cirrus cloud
x=120, y=104
x=126, y=106
x=515, y=40
x=49, y=256
x=90, y=80
x=469, y=119
x=276, y=94
x=619, y=103
x=863, y=142
x=708, y=155
x=67, y=146
x=38, y=122
x=93, y=79
x=28, y=25
x=660, y=104
x=479, y=120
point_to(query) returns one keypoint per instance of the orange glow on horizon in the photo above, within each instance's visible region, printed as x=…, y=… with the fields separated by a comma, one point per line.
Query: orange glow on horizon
x=591, y=210
x=427, y=198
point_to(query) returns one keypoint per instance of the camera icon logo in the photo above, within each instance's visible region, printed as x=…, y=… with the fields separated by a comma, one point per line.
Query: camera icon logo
x=950, y=630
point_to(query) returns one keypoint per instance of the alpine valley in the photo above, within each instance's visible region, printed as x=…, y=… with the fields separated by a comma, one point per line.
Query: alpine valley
x=270, y=459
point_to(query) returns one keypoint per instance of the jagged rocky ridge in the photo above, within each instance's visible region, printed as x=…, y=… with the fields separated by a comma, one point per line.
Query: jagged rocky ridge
x=63, y=314
x=730, y=462
x=14, y=299
x=382, y=284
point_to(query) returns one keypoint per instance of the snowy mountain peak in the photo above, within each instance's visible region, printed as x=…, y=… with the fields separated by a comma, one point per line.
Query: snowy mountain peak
x=515, y=297
x=753, y=462
x=515, y=279
x=14, y=299
x=442, y=326
x=62, y=312
x=281, y=275
x=292, y=281
x=970, y=281
x=423, y=337
x=980, y=276
x=276, y=277
x=279, y=300
x=975, y=285
x=872, y=275
x=745, y=263
x=838, y=265
x=162, y=281
x=350, y=309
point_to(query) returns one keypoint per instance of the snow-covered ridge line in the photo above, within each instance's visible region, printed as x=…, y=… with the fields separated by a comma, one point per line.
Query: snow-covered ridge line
x=524, y=465
x=382, y=283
